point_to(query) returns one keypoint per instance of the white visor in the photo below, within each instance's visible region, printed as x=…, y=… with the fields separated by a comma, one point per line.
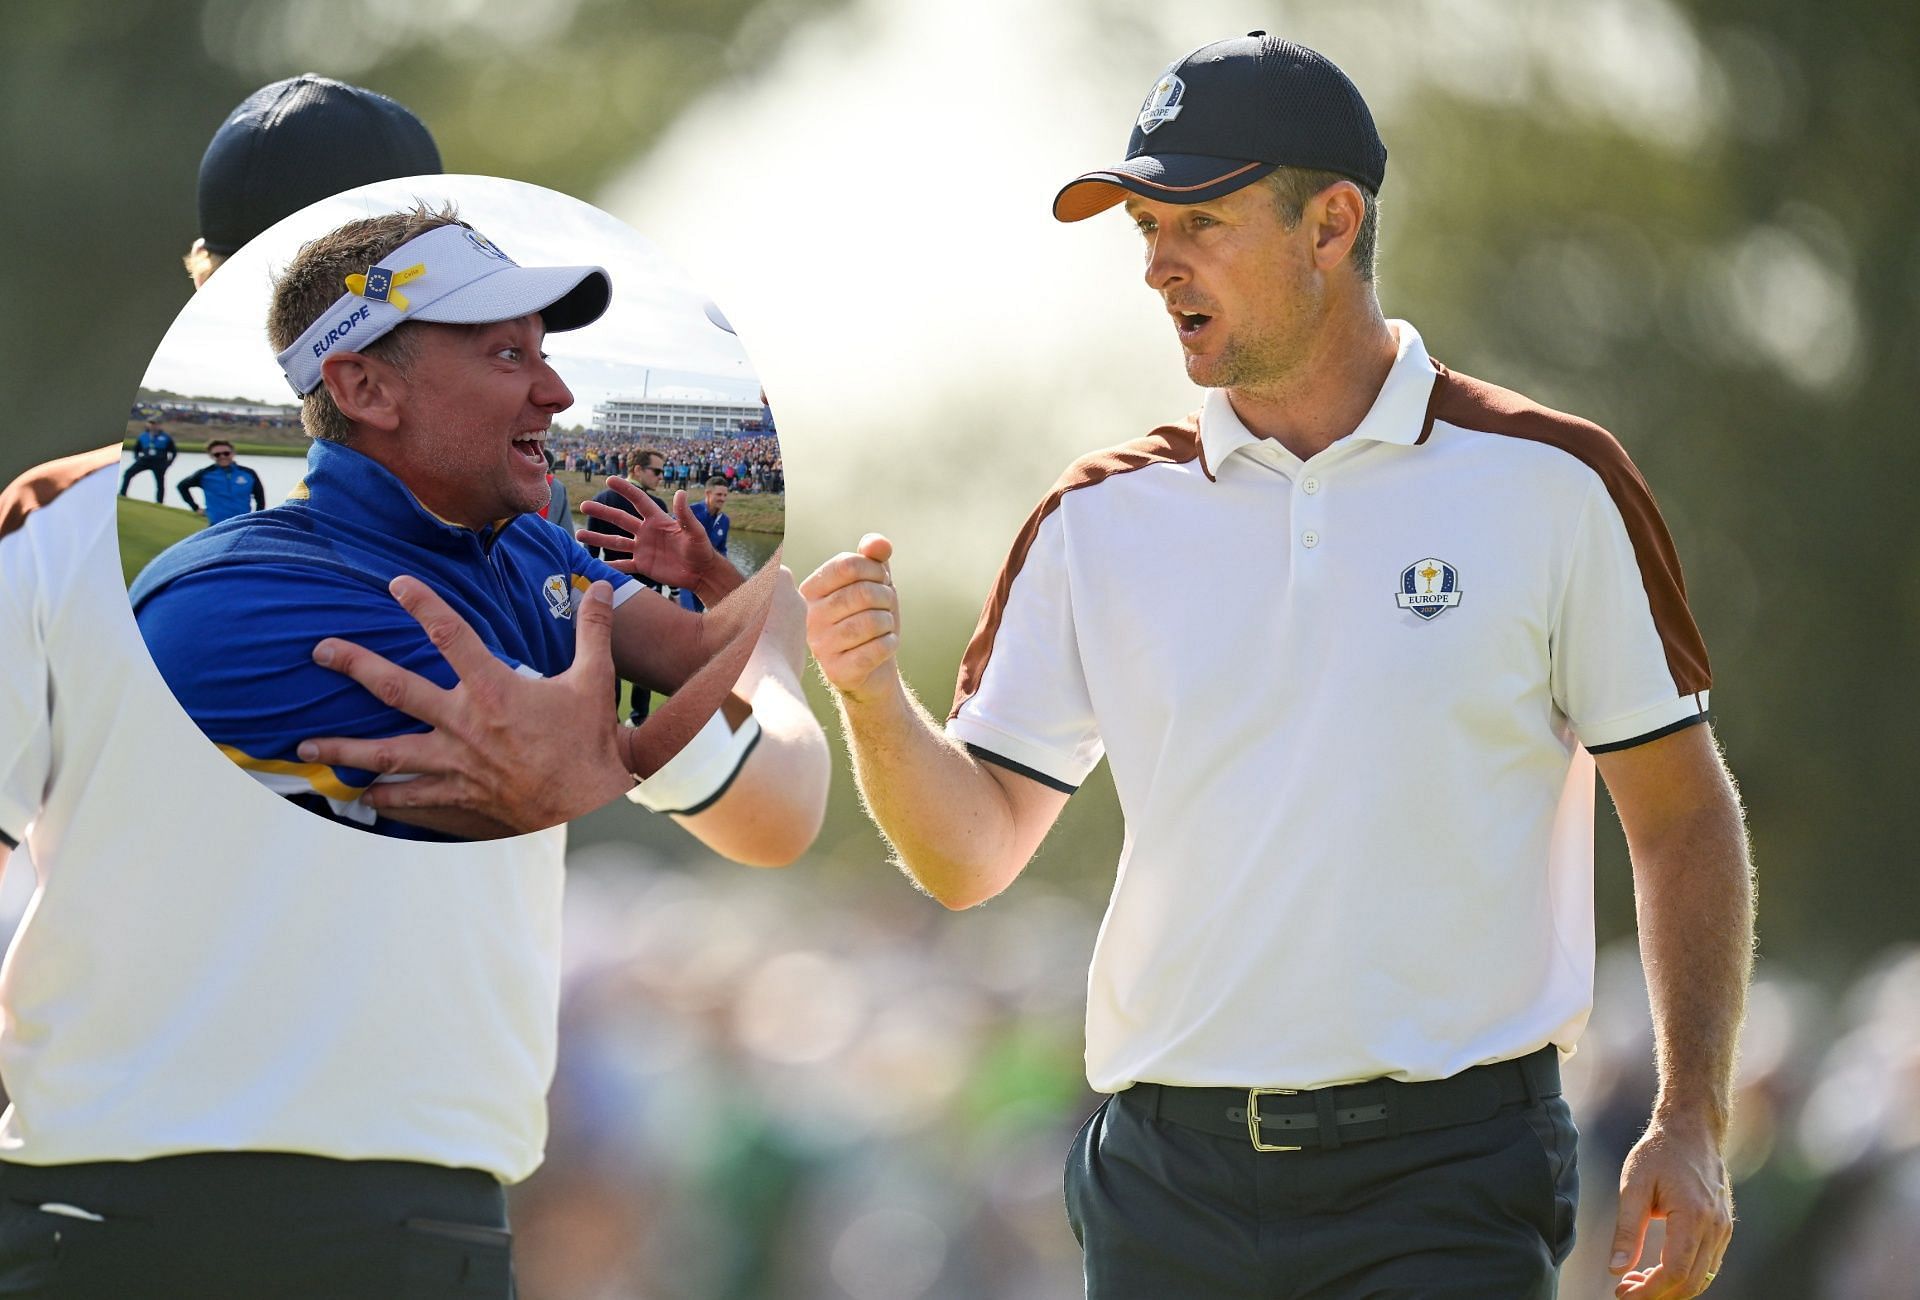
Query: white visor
x=452, y=275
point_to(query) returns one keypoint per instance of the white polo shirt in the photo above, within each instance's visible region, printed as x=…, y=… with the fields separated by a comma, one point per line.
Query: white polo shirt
x=204, y=967
x=1345, y=702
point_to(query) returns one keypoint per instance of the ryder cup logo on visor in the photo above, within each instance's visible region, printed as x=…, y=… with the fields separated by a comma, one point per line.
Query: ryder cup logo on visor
x=1428, y=588
x=1163, y=102
x=486, y=245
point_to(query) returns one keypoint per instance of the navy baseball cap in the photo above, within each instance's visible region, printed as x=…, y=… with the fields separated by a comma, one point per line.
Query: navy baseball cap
x=1225, y=116
x=296, y=142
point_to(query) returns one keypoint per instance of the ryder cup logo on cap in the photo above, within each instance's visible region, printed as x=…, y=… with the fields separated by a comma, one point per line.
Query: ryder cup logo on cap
x=1163, y=101
x=452, y=275
x=484, y=244
x=1225, y=116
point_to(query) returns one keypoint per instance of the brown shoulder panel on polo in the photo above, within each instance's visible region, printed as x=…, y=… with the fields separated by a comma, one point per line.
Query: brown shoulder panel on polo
x=1170, y=444
x=1474, y=404
x=40, y=485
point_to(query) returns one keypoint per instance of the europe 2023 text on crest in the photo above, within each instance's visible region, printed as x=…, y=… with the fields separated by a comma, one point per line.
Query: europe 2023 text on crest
x=1428, y=587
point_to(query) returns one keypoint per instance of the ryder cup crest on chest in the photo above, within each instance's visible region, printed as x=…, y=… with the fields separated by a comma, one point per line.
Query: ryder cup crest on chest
x=1428, y=588
x=558, y=593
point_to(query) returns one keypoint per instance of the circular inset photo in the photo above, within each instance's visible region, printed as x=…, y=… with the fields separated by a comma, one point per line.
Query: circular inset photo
x=450, y=509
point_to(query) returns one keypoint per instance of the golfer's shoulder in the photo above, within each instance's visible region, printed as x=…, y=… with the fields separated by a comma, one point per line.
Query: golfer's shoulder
x=1093, y=478
x=42, y=485
x=1526, y=433
x=262, y=557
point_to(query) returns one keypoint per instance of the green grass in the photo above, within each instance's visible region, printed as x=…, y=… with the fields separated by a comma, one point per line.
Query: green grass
x=147, y=529
x=758, y=512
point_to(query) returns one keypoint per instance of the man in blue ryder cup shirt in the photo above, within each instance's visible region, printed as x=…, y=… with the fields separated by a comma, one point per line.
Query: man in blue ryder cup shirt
x=231, y=488
x=153, y=451
x=710, y=514
x=429, y=399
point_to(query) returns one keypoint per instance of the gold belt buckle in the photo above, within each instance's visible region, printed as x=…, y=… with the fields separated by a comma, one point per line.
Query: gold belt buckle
x=1253, y=1115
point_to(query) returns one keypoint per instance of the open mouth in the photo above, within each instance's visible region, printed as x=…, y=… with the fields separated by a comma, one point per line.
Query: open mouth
x=533, y=447
x=1190, y=323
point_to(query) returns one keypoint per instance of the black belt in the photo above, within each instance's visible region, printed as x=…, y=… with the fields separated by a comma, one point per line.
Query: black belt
x=248, y=1184
x=1284, y=1119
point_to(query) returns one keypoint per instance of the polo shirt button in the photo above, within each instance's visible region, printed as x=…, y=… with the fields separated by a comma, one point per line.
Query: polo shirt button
x=1310, y=540
x=1310, y=486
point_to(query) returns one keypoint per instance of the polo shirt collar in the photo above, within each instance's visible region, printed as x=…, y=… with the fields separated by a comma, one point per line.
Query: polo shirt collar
x=343, y=482
x=1398, y=414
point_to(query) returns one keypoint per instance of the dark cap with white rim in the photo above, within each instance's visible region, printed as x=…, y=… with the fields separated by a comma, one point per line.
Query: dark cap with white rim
x=1225, y=116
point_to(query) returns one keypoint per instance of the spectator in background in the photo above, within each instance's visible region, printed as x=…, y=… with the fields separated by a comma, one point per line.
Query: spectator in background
x=231, y=488
x=154, y=451
x=555, y=511
x=647, y=465
x=647, y=473
x=711, y=513
x=151, y=988
x=292, y=143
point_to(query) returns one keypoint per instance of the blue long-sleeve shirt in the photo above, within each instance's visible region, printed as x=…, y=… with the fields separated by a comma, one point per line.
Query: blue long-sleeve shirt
x=231, y=616
x=228, y=489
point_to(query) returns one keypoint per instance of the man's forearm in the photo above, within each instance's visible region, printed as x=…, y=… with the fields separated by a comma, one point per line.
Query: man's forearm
x=465, y=823
x=1694, y=897
x=772, y=810
x=740, y=609
x=718, y=581
x=948, y=819
x=658, y=645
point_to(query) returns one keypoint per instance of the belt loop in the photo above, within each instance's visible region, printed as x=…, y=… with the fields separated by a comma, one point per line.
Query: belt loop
x=1524, y=1064
x=1329, y=1122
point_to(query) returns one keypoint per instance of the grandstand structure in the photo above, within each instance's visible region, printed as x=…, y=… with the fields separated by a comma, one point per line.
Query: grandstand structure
x=649, y=418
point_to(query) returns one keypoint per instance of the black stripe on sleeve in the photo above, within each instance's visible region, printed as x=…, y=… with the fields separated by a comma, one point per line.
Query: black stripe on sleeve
x=8, y=840
x=1052, y=783
x=1667, y=730
x=725, y=785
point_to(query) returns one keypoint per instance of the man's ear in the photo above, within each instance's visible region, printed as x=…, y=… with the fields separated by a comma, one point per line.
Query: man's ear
x=1335, y=214
x=367, y=390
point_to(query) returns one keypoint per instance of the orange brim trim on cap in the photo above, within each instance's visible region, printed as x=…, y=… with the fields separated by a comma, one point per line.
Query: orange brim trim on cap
x=1095, y=192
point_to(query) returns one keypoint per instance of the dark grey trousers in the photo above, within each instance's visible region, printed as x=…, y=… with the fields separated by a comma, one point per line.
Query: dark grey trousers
x=1480, y=1211
x=241, y=1225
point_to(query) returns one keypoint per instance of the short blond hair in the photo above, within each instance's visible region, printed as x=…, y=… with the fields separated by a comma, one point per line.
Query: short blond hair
x=314, y=280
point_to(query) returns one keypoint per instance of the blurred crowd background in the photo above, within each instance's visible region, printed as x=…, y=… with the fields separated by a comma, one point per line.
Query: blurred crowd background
x=749, y=464
x=1690, y=220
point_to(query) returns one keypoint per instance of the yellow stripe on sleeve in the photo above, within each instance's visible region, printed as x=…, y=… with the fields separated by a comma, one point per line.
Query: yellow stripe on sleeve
x=318, y=775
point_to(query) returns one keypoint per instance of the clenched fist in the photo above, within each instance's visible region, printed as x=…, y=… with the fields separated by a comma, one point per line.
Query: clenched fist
x=853, y=618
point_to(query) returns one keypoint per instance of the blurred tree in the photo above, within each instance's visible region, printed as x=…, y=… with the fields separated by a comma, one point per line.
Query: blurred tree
x=1691, y=222
x=1731, y=288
